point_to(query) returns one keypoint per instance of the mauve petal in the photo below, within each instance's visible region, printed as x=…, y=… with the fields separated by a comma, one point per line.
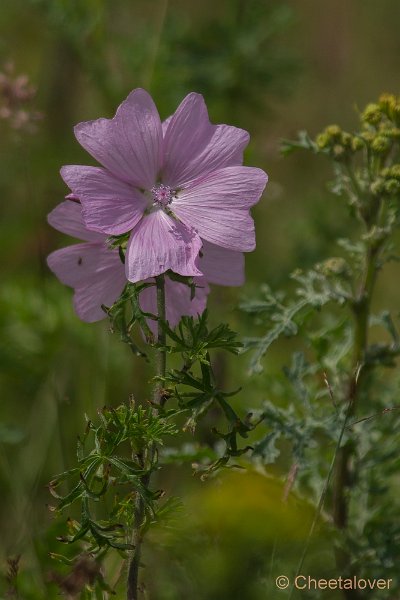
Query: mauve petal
x=193, y=147
x=178, y=301
x=72, y=265
x=105, y=290
x=67, y=218
x=217, y=206
x=225, y=149
x=72, y=197
x=165, y=124
x=95, y=272
x=222, y=266
x=81, y=263
x=130, y=144
x=188, y=132
x=159, y=243
x=110, y=205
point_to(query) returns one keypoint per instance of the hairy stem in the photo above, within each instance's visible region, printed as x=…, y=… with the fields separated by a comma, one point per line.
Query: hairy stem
x=321, y=499
x=137, y=539
x=343, y=475
x=139, y=513
x=161, y=358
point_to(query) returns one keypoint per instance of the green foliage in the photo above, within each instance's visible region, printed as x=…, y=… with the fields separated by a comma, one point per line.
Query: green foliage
x=113, y=466
x=334, y=401
x=194, y=385
x=234, y=61
x=226, y=59
x=314, y=289
x=193, y=340
x=126, y=312
x=123, y=448
x=304, y=142
x=82, y=27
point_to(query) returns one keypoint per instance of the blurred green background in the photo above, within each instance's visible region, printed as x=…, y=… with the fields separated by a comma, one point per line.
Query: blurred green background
x=271, y=67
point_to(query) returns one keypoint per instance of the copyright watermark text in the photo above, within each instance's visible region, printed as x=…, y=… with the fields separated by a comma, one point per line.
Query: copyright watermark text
x=306, y=582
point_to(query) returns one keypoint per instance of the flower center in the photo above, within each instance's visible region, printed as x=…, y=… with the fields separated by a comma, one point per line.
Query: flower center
x=162, y=194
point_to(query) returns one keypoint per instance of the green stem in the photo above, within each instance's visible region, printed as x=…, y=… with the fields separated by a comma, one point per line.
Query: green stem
x=356, y=186
x=161, y=359
x=137, y=539
x=322, y=498
x=139, y=512
x=343, y=469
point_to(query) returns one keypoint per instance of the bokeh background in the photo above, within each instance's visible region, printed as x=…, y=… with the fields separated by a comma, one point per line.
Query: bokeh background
x=271, y=67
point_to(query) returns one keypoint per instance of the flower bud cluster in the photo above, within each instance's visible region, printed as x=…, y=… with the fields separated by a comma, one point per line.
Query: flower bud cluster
x=339, y=144
x=388, y=182
x=381, y=124
x=390, y=107
x=367, y=161
x=380, y=130
x=386, y=109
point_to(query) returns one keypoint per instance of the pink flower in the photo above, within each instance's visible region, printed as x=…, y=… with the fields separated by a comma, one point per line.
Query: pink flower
x=170, y=186
x=98, y=276
x=94, y=271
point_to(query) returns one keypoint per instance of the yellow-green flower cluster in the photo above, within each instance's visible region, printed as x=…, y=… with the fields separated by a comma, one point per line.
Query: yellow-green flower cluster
x=381, y=124
x=390, y=106
x=380, y=129
x=388, y=182
x=338, y=143
x=387, y=109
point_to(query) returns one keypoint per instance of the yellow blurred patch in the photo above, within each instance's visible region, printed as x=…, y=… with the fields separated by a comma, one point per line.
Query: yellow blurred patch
x=250, y=505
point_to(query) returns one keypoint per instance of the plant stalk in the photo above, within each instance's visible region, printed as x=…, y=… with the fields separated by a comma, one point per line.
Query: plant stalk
x=161, y=358
x=344, y=475
x=139, y=512
x=321, y=499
